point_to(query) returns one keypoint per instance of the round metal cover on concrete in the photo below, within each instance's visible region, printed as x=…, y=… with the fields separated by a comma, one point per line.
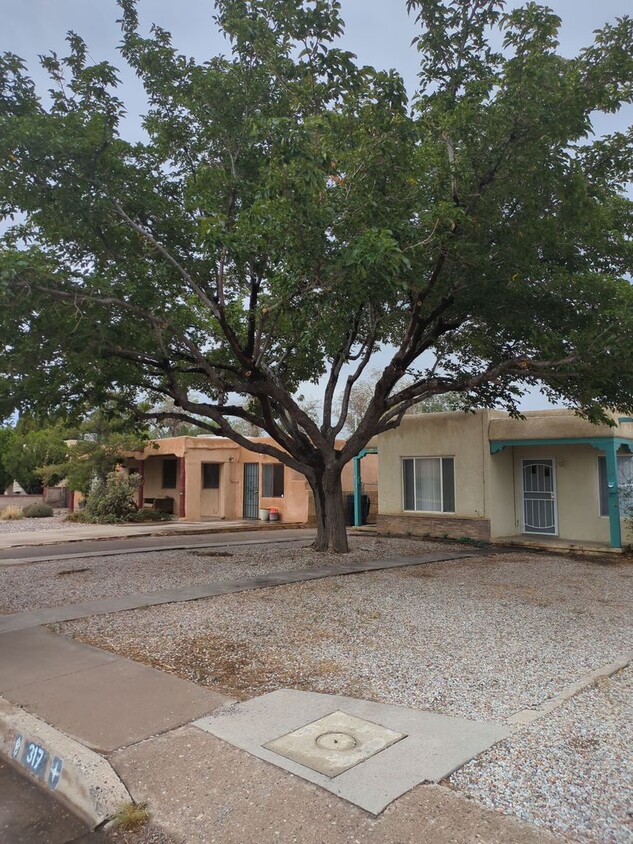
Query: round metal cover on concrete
x=335, y=743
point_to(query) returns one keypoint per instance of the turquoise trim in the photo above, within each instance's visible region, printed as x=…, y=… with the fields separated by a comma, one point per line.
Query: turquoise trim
x=610, y=446
x=625, y=419
x=615, y=528
x=358, y=484
x=601, y=443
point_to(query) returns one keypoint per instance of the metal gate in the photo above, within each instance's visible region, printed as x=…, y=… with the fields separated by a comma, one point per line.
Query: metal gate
x=539, y=497
x=251, y=490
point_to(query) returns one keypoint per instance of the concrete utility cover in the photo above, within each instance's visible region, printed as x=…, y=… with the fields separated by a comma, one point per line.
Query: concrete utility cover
x=335, y=743
x=428, y=747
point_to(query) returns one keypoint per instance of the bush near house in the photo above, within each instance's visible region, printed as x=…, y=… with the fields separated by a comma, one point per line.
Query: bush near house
x=112, y=501
x=38, y=511
x=145, y=515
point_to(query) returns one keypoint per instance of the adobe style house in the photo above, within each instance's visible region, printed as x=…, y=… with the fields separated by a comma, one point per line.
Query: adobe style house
x=204, y=477
x=550, y=478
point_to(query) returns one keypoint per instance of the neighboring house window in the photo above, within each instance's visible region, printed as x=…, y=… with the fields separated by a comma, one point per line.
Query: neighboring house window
x=429, y=484
x=273, y=480
x=170, y=473
x=210, y=476
x=625, y=483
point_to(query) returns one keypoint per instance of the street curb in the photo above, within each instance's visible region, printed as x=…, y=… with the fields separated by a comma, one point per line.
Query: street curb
x=258, y=526
x=76, y=776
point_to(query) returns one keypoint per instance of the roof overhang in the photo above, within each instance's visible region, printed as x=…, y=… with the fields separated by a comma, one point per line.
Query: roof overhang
x=600, y=443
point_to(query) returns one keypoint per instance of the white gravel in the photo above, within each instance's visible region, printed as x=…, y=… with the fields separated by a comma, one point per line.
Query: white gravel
x=571, y=772
x=480, y=639
x=26, y=525
x=57, y=583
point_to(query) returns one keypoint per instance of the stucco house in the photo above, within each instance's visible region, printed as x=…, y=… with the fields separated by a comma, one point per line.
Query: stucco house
x=204, y=477
x=550, y=478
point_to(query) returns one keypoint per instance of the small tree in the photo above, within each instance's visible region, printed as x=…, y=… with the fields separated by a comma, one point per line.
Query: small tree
x=288, y=215
x=7, y=436
x=101, y=441
x=29, y=455
x=112, y=500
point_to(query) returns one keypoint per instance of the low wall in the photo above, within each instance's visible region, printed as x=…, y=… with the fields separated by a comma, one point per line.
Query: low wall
x=454, y=527
x=20, y=500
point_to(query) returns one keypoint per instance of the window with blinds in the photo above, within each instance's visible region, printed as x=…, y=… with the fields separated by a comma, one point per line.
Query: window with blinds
x=429, y=484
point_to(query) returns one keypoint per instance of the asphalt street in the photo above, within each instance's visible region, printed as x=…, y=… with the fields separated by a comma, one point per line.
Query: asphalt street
x=28, y=815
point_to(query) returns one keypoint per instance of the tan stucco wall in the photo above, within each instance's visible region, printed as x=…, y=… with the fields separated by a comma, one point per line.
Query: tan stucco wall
x=211, y=503
x=552, y=424
x=458, y=435
x=501, y=504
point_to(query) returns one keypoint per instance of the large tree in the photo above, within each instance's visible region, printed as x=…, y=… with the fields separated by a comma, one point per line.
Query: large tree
x=288, y=214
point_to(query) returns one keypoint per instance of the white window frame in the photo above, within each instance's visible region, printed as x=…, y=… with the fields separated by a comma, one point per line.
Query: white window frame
x=439, y=458
x=621, y=458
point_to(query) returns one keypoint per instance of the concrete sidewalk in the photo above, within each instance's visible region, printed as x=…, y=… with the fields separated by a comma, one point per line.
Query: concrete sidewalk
x=81, y=533
x=199, y=788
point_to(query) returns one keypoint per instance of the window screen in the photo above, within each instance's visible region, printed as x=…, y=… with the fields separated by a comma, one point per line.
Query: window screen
x=170, y=473
x=210, y=476
x=272, y=480
x=625, y=483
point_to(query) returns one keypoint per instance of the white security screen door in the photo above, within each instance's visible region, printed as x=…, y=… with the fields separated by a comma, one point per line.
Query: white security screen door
x=539, y=497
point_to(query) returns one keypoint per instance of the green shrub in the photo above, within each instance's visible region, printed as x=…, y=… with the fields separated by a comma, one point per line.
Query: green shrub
x=112, y=501
x=10, y=514
x=145, y=515
x=38, y=511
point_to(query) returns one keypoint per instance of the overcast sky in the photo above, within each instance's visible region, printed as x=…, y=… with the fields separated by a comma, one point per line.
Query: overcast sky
x=378, y=31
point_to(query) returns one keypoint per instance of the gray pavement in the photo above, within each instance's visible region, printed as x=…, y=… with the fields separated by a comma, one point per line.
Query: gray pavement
x=199, y=788
x=28, y=815
x=98, y=698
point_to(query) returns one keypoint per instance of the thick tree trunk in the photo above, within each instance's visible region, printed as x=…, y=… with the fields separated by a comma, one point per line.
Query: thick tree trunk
x=330, y=513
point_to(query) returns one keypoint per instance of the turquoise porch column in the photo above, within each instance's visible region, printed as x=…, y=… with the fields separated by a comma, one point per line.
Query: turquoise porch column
x=358, y=490
x=611, y=452
x=358, y=485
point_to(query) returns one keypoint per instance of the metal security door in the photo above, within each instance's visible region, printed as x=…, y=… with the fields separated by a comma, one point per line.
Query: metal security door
x=539, y=497
x=251, y=490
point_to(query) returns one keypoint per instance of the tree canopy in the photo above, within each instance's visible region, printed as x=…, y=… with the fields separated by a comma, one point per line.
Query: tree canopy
x=288, y=213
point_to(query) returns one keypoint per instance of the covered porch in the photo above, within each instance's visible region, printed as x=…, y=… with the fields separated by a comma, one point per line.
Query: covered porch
x=566, y=491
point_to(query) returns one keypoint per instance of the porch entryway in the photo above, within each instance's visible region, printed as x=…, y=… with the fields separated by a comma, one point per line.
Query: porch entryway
x=539, y=497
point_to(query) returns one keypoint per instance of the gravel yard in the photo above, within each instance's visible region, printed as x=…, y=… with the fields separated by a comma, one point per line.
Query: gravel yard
x=572, y=771
x=51, y=584
x=27, y=525
x=479, y=638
